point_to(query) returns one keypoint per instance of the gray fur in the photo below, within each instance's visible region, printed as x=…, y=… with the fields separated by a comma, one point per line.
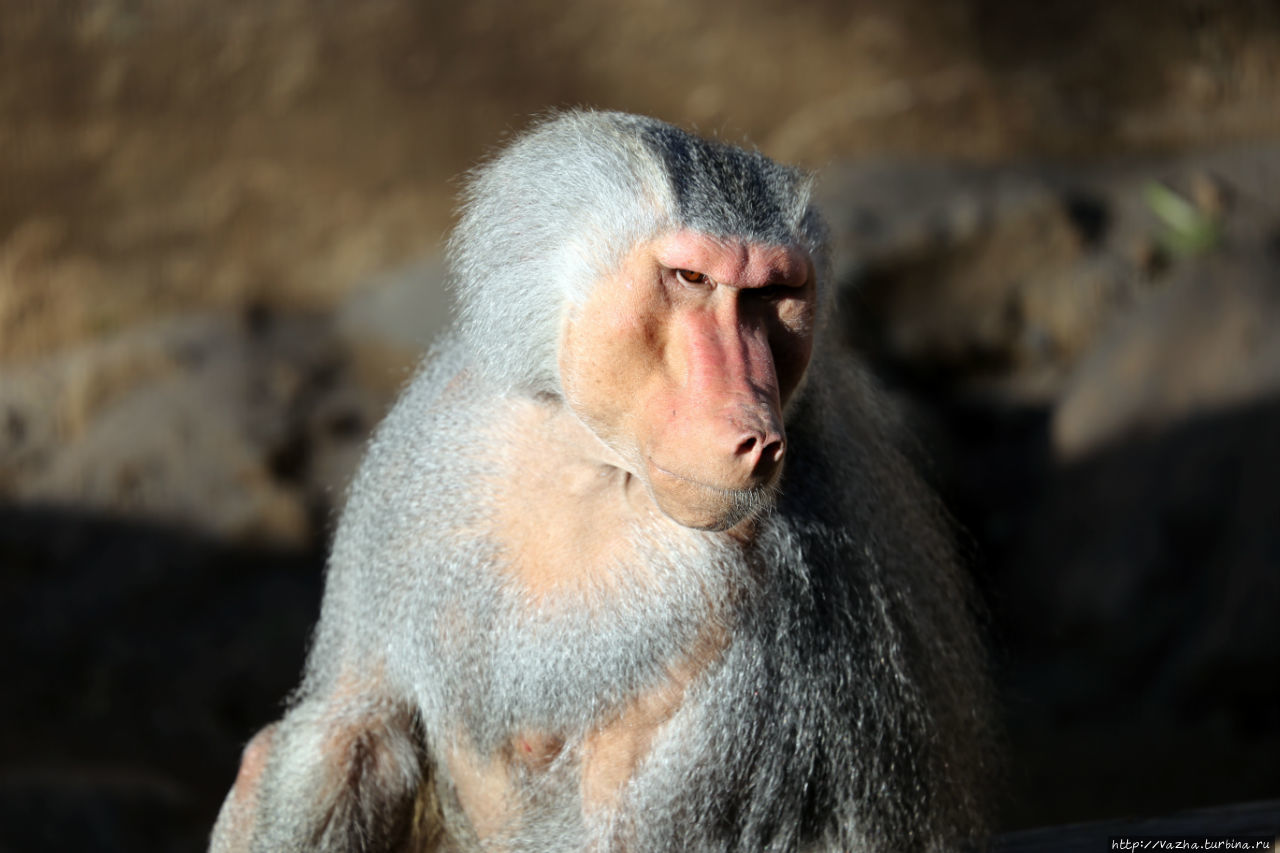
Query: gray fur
x=564, y=202
x=848, y=711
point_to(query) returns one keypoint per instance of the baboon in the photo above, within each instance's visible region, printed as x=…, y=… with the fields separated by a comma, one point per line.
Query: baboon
x=637, y=562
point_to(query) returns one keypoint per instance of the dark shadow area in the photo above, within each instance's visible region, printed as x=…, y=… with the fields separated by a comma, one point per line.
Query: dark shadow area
x=1133, y=596
x=139, y=659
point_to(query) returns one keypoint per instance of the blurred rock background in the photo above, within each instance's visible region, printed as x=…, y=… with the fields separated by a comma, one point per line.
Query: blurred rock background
x=1058, y=228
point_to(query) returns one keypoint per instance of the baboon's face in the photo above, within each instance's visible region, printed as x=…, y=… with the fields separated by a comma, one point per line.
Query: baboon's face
x=682, y=362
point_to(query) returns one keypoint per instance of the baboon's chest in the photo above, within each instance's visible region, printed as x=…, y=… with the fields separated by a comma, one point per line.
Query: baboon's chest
x=584, y=774
x=628, y=612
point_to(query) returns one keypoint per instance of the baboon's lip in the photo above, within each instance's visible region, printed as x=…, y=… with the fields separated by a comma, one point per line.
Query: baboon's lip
x=753, y=484
x=701, y=506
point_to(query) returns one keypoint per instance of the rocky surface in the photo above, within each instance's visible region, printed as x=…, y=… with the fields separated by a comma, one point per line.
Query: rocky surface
x=168, y=492
x=1098, y=387
x=219, y=234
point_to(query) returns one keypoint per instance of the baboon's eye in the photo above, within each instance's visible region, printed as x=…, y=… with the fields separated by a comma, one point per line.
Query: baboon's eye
x=691, y=277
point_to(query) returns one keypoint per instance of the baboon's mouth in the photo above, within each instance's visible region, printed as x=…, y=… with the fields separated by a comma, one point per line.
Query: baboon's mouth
x=703, y=506
x=754, y=483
